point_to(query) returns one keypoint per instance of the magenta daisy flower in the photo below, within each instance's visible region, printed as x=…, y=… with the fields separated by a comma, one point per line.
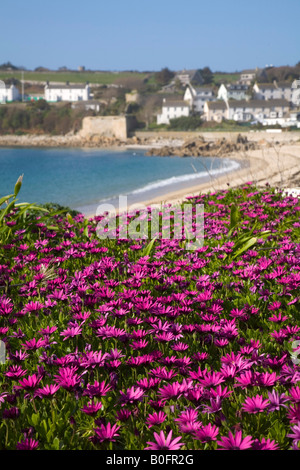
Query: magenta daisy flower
x=295, y=432
x=295, y=394
x=156, y=418
x=207, y=433
x=71, y=332
x=132, y=395
x=265, y=444
x=164, y=443
x=105, y=433
x=47, y=391
x=255, y=404
x=29, y=383
x=235, y=442
x=27, y=444
x=92, y=408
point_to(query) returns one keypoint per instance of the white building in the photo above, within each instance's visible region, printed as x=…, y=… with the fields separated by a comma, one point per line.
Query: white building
x=172, y=110
x=246, y=110
x=296, y=93
x=291, y=119
x=197, y=96
x=247, y=76
x=273, y=91
x=54, y=93
x=8, y=93
x=235, y=91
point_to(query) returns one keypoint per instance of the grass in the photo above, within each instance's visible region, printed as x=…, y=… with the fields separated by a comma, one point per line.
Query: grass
x=225, y=78
x=101, y=78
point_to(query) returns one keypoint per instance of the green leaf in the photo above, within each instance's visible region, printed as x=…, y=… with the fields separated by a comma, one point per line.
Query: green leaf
x=35, y=418
x=246, y=246
x=7, y=210
x=234, y=216
x=56, y=443
x=5, y=198
x=70, y=218
x=148, y=248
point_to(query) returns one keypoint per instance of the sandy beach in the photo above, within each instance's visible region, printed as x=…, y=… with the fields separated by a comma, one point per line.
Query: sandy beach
x=279, y=166
x=276, y=162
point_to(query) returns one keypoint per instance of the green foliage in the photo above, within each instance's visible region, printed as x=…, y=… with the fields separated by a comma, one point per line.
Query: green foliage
x=40, y=116
x=185, y=123
x=164, y=76
x=16, y=212
x=207, y=75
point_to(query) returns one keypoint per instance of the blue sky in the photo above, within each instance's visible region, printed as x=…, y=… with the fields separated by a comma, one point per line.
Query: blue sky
x=226, y=35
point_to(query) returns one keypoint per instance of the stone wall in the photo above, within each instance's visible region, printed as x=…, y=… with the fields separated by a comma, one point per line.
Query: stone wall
x=270, y=136
x=116, y=127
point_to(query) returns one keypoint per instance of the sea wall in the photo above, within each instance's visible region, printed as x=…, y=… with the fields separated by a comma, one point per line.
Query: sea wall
x=284, y=136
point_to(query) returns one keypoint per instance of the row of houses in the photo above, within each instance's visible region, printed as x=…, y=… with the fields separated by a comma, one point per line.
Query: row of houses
x=52, y=92
x=237, y=102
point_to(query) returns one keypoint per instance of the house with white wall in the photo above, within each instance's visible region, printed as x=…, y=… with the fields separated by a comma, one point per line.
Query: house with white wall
x=284, y=90
x=272, y=91
x=258, y=109
x=234, y=91
x=8, y=93
x=247, y=76
x=295, y=93
x=215, y=111
x=197, y=96
x=291, y=119
x=67, y=92
x=172, y=109
x=245, y=110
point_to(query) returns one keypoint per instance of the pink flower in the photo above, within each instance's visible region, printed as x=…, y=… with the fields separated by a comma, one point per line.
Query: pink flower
x=295, y=432
x=97, y=389
x=92, y=408
x=105, y=433
x=207, y=433
x=156, y=418
x=235, y=442
x=295, y=394
x=264, y=444
x=34, y=344
x=132, y=395
x=29, y=383
x=71, y=332
x=164, y=443
x=27, y=444
x=33, y=307
x=255, y=404
x=47, y=391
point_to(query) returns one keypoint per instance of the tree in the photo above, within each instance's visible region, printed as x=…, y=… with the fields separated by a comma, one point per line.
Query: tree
x=164, y=76
x=207, y=75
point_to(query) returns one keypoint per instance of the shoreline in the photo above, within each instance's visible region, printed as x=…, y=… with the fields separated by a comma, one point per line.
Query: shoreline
x=277, y=167
x=274, y=160
x=282, y=170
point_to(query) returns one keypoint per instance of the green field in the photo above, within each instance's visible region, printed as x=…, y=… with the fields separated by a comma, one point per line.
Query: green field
x=225, y=77
x=102, y=78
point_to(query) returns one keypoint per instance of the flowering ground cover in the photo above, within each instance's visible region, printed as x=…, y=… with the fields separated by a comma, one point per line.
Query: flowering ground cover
x=122, y=344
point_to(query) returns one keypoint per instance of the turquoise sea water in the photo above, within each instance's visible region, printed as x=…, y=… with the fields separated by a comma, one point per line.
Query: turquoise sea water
x=84, y=178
